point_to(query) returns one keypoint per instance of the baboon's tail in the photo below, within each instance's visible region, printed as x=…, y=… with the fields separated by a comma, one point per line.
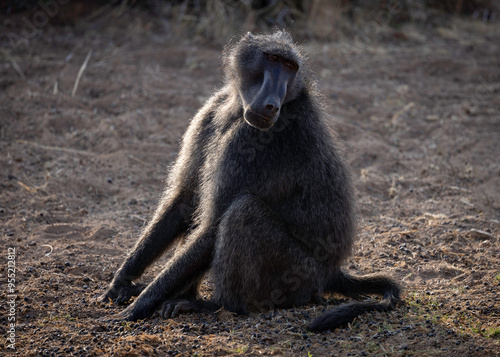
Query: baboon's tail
x=355, y=287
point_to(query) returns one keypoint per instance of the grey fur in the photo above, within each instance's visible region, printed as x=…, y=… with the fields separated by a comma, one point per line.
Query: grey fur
x=260, y=194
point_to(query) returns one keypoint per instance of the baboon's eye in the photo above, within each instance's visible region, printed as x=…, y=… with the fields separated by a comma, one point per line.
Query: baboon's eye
x=273, y=57
x=292, y=66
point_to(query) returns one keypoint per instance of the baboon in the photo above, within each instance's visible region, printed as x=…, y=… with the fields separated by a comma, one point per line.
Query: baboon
x=259, y=195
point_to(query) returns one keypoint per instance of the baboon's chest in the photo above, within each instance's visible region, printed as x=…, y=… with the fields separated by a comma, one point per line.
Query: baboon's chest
x=241, y=162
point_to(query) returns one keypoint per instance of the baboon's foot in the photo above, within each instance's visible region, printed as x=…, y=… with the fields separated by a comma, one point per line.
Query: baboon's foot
x=172, y=308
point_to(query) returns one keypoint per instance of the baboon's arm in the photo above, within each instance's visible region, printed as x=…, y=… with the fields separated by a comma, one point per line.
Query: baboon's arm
x=168, y=223
x=185, y=267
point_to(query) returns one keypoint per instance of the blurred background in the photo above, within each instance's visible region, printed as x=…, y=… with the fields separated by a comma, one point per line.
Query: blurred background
x=217, y=20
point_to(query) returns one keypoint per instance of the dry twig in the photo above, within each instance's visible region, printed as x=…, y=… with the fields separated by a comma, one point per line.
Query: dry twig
x=401, y=112
x=14, y=64
x=55, y=148
x=80, y=72
x=48, y=246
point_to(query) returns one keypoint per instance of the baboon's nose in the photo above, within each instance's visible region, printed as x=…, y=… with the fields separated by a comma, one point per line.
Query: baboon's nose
x=272, y=108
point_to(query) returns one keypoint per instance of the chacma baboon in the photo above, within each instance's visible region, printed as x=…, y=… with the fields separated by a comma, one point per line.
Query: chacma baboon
x=260, y=195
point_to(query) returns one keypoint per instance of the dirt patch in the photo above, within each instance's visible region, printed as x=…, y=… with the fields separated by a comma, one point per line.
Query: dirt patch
x=80, y=176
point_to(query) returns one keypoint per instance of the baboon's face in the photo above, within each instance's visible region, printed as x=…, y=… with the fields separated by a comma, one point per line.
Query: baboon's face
x=266, y=78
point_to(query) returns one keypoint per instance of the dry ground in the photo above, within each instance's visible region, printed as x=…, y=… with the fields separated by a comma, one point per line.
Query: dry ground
x=80, y=176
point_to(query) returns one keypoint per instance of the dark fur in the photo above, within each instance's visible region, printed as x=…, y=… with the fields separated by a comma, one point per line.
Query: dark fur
x=270, y=212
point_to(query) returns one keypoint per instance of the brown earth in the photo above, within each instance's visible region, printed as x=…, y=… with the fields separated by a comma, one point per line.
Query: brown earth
x=79, y=176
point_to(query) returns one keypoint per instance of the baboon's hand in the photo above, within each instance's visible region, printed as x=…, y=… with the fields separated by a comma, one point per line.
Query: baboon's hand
x=131, y=313
x=125, y=315
x=138, y=310
x=121, y=293
x=128, y=315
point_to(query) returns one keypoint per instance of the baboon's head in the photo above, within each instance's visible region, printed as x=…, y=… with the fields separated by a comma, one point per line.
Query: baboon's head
x=266, y=72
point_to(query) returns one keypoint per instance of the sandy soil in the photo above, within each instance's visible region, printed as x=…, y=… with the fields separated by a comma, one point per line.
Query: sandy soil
x=80, y=175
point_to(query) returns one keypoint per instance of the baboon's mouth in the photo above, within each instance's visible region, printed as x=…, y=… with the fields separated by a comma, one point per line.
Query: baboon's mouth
x=259, y=121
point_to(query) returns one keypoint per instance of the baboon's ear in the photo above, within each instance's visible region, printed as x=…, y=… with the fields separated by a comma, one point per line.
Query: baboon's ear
x=249, y=35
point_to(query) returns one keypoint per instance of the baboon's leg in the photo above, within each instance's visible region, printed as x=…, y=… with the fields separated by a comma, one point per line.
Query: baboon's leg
x=168, y=223
x=257, y=262
x=182, y=272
